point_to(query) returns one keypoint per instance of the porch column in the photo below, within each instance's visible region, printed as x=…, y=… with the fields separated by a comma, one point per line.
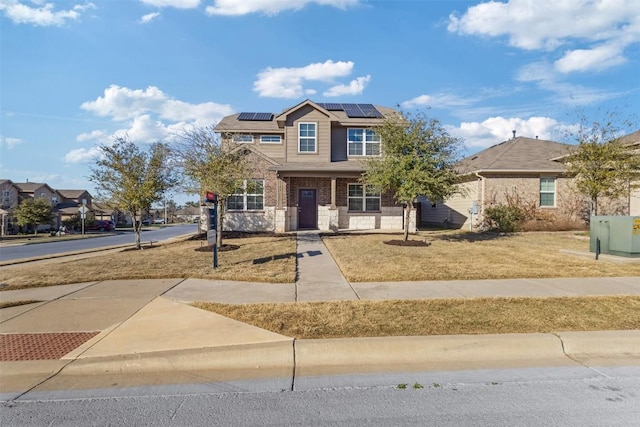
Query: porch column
x=334, y=182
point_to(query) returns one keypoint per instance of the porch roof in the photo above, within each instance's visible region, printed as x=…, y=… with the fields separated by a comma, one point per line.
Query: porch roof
x=309, y=167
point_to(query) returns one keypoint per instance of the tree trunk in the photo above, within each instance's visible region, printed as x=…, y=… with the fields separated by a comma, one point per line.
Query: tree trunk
x=594, y=206
x=137, y=229
x=407, y=217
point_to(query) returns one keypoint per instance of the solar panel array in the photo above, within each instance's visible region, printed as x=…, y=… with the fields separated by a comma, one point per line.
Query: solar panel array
x=354, y=110
x=260, y=117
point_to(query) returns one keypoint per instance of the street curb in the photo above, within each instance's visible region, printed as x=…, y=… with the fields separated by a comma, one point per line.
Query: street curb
x=379, y=354
x=263, y=360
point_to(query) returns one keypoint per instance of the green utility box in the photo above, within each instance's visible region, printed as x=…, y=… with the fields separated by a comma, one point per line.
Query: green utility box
x=618, y=235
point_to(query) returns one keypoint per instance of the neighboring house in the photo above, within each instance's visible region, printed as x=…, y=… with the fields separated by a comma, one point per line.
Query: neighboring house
x=35, y=190
x=72, y=201
x=306, y=169
x=10, y=199
x=65, y=203
x=526, y=171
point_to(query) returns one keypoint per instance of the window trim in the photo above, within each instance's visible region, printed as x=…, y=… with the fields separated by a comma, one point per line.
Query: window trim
x=554, y=192
x=245, y=196
x=364, y=143
x=262, y=139
x=235, y=135
x=315, y=138
x=364, y=198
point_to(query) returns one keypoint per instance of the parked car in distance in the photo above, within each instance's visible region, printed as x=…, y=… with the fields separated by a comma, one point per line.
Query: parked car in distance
x=101, y=225
x=158, y=221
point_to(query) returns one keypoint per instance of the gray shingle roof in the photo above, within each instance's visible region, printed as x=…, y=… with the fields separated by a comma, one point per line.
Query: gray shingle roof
x=518, y=154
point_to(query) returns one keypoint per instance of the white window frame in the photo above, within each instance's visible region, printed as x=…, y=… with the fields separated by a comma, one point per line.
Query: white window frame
x=369, y=138
x=242, y=138
x=306, y=137
x=365, y=196
x=245, y=197
x=545, y=192
x=264, y=139
x=6, y=194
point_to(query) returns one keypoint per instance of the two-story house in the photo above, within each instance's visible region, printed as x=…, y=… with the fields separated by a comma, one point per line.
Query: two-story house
x=306, y=169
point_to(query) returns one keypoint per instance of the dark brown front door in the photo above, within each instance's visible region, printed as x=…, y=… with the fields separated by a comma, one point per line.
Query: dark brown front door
x=307, y=210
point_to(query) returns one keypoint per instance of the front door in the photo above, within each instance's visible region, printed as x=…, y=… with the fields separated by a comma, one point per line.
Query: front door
x=307, y=209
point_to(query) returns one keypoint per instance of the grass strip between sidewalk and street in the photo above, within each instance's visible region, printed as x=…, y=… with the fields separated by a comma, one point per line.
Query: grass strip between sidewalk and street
x=351, y=319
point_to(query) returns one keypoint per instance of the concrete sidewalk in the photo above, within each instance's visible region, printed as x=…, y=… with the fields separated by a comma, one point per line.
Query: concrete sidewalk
x=142, y=332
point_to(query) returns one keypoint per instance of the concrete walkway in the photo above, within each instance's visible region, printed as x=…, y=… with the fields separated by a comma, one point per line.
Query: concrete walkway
x=143, y=332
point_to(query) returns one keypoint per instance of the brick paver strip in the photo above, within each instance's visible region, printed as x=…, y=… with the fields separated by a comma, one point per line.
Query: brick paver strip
x=49, y=346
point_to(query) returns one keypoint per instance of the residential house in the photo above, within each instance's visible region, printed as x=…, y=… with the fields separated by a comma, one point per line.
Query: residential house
x=72, y=201
x=35, y=190
x=529, y=172
x=10, y=199
x=306, y=169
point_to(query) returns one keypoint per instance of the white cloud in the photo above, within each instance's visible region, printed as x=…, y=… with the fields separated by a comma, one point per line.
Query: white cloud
x=546, y=77
x=480, y=135
x=122, y=103
x=605, y=27
x=10, y=142
x=149, y=17
x=355, y=87
x=82, y=155
x=441, y=100
x=99, y=135
x=178, y=4
x=149, y=115
x=598, y=58
x=288, y=82
x=269, y=7
x=41, y=15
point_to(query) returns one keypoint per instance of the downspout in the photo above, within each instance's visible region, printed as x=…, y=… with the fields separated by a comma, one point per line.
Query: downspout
x=482, y=191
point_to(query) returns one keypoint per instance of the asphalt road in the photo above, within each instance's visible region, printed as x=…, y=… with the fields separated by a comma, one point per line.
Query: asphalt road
x=15, y=252
x=524, y=397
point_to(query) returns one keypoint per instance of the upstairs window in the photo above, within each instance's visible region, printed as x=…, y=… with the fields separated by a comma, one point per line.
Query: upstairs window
x=307, y=137
x=362, y=198
x=249, y=197
x=548, y=192
x=270, y=139
x=242, y=138
x=363, y=142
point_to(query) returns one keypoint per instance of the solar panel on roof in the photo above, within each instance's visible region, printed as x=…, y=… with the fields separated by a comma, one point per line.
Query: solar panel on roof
x=332, y=106
x=261, y=117
x=361, y=111
x=265, y=117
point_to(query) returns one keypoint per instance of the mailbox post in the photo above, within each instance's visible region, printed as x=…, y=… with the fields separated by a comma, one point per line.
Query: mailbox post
x=212, y=232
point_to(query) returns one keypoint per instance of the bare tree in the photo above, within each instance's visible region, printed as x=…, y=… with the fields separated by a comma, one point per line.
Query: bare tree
x=130, y=179
x=214, y=164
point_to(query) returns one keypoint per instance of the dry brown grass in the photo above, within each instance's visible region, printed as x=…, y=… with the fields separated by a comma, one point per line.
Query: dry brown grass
x=466, y=256
x=257, y=259
x=437, y=317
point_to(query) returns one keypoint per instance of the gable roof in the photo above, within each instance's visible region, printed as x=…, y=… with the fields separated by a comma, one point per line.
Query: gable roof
x=275, y=125
x=31, y=187
x=520, y=154
x=72, y=194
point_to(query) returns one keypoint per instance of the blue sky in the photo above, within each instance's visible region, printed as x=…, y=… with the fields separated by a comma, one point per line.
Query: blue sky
x=75, y=73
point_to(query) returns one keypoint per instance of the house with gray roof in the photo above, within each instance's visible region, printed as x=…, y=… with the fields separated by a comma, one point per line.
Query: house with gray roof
x=529, y=172
x=307, y=166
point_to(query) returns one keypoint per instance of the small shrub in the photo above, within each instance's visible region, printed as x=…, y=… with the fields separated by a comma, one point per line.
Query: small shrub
x=504, y=219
